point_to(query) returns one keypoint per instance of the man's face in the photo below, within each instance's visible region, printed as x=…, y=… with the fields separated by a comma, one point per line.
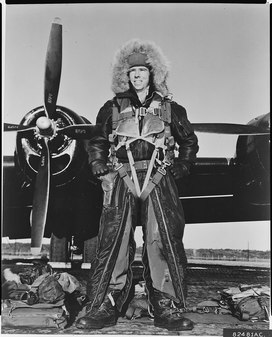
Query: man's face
x=139, y=77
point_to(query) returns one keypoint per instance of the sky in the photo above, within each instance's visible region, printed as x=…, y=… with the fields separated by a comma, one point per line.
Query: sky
x=219, y=57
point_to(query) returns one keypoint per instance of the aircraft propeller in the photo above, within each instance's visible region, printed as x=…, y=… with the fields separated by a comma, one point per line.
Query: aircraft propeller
x=45, y=130
x=40, y=199
x=53, y=66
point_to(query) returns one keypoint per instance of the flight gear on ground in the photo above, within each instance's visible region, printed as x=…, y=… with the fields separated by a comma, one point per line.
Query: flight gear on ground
x=45, y=289
x=13, y=290
x=248, y=302
x=138, y=307
x=41, y=315
x=51, y=300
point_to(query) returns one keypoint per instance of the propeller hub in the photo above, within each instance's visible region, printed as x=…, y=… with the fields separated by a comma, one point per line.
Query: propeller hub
x=45, y=126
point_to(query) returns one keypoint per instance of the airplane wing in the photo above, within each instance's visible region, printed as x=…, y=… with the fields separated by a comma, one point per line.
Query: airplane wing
x=208, y=195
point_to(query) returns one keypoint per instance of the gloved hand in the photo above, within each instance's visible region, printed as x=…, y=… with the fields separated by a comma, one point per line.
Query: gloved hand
x=99, y=168
x=179, y=169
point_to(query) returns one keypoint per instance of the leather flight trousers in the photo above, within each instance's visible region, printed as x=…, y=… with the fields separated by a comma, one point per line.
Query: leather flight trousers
x=164, y=259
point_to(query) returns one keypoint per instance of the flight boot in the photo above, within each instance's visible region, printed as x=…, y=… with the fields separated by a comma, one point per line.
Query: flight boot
x=167, y=315
x=106, y=315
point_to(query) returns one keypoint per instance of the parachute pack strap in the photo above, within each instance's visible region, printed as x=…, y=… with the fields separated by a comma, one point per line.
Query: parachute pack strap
x=115, y=116
x=123, y=174
x=115, y=119
x=169, y=139
x=169, y=143
x=166, y=112
x=133, y=172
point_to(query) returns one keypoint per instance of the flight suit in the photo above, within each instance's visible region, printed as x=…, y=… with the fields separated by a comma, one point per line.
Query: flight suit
x=140, y=190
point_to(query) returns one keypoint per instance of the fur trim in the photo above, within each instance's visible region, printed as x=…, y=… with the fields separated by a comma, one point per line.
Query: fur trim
x=155, y=58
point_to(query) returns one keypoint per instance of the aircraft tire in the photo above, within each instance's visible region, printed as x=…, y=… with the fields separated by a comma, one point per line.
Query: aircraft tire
x=90, y=246
x=59, y=249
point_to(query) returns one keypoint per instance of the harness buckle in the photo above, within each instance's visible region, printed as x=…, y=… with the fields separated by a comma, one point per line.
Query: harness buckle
x=142, y=111
x=118, y=166
x=166, y=163
x=162, y=170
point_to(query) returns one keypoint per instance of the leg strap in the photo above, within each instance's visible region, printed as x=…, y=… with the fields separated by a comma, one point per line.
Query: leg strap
x=123, y=174
x=151, y=184
x=154, y=181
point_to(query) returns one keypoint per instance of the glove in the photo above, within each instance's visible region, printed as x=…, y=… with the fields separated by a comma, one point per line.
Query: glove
x=179, y=170
x=99, y=168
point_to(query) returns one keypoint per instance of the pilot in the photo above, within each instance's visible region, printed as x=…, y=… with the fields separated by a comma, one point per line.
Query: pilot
x=134, y=158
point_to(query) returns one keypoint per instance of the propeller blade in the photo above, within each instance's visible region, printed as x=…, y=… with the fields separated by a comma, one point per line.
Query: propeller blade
x=17, y=127
x=40, y=200
x=53, y=68
x=231, y=129
x=80, y=131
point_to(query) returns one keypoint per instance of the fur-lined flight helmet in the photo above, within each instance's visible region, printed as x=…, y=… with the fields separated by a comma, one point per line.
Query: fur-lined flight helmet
x=136, y=53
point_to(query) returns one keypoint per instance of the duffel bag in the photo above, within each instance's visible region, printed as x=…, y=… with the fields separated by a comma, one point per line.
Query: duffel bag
x=252, y=308
x=41, y=315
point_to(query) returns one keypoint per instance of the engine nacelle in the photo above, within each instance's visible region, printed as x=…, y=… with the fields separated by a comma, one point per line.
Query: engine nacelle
x=68, y=156
x=252, y=163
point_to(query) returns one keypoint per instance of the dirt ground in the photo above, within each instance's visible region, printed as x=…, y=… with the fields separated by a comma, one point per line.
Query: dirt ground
x=203, y=284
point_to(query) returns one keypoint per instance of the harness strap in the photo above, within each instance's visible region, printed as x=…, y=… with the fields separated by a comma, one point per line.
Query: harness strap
x=139, y=165
x=150, y=168
x=154, y=181
x=123, y=174
x=133, y=172
x=115, y=116
x=164, y=113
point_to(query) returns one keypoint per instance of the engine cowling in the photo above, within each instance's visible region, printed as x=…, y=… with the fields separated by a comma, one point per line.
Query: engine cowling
x=252, y=161
x=68, y=156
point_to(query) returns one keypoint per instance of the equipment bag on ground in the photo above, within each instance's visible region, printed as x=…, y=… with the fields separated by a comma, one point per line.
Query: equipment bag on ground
x=248, y=302
x=41, y=315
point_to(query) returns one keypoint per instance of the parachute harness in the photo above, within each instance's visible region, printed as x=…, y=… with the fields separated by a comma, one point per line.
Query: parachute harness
x=125, y=127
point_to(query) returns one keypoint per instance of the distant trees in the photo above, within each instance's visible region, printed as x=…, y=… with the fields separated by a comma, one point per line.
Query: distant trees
x=20, y=248
x=227, y=254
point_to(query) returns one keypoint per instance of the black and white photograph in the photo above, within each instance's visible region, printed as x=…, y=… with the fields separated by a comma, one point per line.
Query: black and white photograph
x=136, y=169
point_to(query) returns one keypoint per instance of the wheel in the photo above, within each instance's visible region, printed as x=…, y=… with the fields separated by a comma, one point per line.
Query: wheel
x=89, y=250
x=59, y=249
